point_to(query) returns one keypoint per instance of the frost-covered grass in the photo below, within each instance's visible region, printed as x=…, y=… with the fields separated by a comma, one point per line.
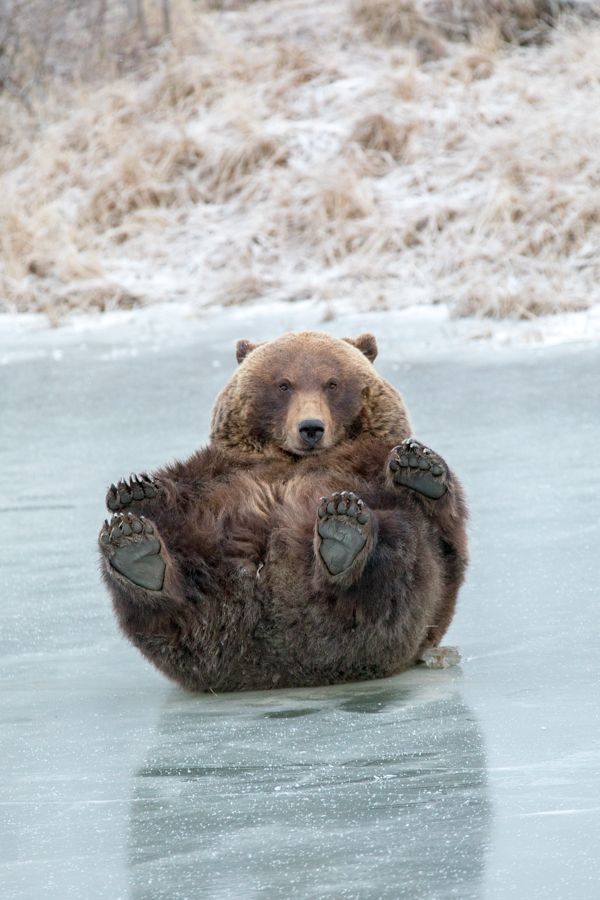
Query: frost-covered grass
x=383, y=151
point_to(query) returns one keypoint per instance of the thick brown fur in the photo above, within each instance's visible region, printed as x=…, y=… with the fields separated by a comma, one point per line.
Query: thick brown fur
x=247, y=601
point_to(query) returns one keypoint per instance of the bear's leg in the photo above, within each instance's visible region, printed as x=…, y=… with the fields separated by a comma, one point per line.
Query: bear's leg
x=149, y=600
x=414, y=466
x=199, y=640
x=134, y=493
x=132, y=549
x=426, y=475
x=344, y=537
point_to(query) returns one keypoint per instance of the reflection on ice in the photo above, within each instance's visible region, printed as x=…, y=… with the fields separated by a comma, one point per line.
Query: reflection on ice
x=372, y=791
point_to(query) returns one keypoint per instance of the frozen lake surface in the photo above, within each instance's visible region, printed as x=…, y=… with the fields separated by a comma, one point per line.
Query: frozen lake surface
x=478, y=782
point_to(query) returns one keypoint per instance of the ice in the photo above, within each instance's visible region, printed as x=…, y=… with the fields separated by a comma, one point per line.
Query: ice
x=413, y=331
x=479, y=781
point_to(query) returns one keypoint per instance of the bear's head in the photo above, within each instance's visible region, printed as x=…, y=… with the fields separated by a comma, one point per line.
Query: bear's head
x=305, y=393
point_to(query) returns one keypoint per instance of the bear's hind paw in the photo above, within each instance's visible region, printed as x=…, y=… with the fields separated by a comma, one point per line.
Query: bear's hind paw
x=132, y=548
x=344, y=533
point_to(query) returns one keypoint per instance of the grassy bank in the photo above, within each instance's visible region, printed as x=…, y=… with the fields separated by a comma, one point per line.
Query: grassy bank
x=381, y=151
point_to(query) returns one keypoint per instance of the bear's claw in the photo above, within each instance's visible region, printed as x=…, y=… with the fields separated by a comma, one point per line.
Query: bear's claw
x=343, y=526
x=133, y=490
x=132, y=548
x=415, y=466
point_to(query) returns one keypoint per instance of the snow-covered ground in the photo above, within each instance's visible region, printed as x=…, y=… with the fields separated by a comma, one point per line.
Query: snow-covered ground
x=295, y=151
x=412, y=332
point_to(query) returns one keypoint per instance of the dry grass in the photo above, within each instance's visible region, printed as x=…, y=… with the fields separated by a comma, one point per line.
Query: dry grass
x=390, y=21
x=330, y=215
x=377, y=132
x=82, y=39
x=268, y=152
x=399, y=21
x=164, y=176
x=245, y=289
x=422, y=23
x=232, y=168
x=527, y=303
x=516, y=21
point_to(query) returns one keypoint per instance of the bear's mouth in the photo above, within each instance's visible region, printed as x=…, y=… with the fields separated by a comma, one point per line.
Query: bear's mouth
x=305, y=451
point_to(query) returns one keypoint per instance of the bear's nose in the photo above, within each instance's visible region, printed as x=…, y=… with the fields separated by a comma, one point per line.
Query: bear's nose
x=311, y=431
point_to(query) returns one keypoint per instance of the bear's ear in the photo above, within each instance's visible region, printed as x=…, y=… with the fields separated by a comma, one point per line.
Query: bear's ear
x=366, y=343
x=243, y=348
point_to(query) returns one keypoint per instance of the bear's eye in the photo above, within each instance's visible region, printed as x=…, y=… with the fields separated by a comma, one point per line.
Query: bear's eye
x=284, y=386
x=332, y=385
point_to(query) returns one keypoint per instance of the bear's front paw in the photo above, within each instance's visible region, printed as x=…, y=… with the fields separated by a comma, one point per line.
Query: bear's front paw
x=344, y=527
x=415, y=466
x=130, y=492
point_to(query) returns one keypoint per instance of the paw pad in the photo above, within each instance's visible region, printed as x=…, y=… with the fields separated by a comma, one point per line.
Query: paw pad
x=132, y=548
x=343, y=529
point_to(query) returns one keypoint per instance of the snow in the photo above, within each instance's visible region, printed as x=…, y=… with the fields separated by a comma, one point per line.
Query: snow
x=417, y=330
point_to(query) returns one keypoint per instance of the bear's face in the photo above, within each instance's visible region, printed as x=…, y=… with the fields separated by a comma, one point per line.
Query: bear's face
x=303, y=394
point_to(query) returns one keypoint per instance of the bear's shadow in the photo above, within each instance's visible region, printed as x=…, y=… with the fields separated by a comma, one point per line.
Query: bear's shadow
x=370, y=790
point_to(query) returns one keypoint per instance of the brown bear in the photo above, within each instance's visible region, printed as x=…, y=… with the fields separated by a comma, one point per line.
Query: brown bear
x=313, y=541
